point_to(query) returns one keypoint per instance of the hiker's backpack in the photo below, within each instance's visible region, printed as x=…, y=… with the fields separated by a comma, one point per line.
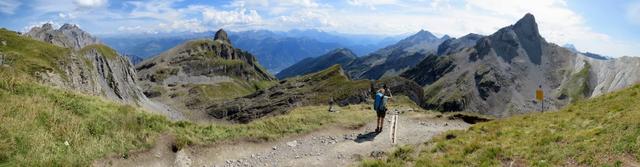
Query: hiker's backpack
x=377, y=103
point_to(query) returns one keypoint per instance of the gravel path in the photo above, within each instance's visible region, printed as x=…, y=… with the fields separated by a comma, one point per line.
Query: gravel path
x=330, y=147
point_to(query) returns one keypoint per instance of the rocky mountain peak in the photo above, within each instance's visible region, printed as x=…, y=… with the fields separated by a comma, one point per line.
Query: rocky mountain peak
x=342, y=51
x=524, y=34
x=69, y=36
x=46, y=26
x=221, y=35
x=570, y=47
x=527, y=26
x=425, y=35
x=68, y=26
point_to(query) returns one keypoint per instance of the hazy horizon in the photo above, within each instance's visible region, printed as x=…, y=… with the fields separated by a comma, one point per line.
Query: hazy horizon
x=610, y=28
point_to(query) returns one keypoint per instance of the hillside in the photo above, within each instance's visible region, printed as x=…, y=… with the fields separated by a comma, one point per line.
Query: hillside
x=46, y=126
x=94, y=69
x=602, y=131
x=199, y=72
x=328, y=86
x=340, y=56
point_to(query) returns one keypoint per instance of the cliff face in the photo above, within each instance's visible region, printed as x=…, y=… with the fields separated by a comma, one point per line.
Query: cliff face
x=91, y=68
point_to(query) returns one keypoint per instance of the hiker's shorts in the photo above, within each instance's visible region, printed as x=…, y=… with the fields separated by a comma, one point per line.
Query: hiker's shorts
x=381, y=112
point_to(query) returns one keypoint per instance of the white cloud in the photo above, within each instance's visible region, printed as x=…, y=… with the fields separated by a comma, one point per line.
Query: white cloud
x=9, y=6
x=90, y=3
x=240, y=16
x=371, y=4
x=54, y=24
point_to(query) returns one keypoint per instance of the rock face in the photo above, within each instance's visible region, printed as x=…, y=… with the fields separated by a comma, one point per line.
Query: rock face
x=92, y=68
x=323, y=87
x=456, y=44
x=222, y=36
x=340, y=56
x=68, y=36
x=199, y=72
x=395, y=59
x=499, y=74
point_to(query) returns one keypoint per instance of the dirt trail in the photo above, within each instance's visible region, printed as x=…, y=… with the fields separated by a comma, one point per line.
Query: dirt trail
x=329, y=147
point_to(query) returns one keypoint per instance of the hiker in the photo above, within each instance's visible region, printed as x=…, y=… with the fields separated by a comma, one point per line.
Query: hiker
x=380, y=106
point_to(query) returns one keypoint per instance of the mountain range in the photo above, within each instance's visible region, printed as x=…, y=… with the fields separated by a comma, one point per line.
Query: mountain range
x=501, y=72
x=275, y=50
x=495, y=74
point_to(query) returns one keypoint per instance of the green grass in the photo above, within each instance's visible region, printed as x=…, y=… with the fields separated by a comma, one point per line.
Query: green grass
x=221, y=91
x=603, y=131
x=398, y=158
x=578, y=85
x=106, y=51
x=31, y=56
x=164, y=73
x=331, y=83
x=38, y=120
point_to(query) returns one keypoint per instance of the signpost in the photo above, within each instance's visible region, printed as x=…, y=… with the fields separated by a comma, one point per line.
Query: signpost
x=394, y=126
x=540, y=97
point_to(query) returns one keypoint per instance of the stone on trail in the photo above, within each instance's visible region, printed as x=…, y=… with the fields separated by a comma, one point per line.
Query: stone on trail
x=292, y=143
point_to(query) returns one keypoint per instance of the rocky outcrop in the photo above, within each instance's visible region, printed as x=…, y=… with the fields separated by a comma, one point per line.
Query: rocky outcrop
x=92, y=68
x=197, y=73
x=453, y=45
x=340, y=56
x=68, y=36
x=222, y=36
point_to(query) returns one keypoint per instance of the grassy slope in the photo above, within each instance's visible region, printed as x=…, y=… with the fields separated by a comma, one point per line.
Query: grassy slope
x=31, y=56
x=598, y=132
x=37, y=120
x=103, y=49
x=331, y=83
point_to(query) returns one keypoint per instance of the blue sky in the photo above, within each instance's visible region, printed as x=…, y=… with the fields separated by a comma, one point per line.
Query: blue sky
x=608, y=27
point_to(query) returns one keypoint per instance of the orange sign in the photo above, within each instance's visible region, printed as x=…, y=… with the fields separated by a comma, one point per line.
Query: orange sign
x=539, y=95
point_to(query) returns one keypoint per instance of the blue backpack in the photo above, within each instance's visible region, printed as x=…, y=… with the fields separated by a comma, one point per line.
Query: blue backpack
x=377, y=103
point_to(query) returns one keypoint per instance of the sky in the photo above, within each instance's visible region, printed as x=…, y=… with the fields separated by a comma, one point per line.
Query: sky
x=608, y=27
